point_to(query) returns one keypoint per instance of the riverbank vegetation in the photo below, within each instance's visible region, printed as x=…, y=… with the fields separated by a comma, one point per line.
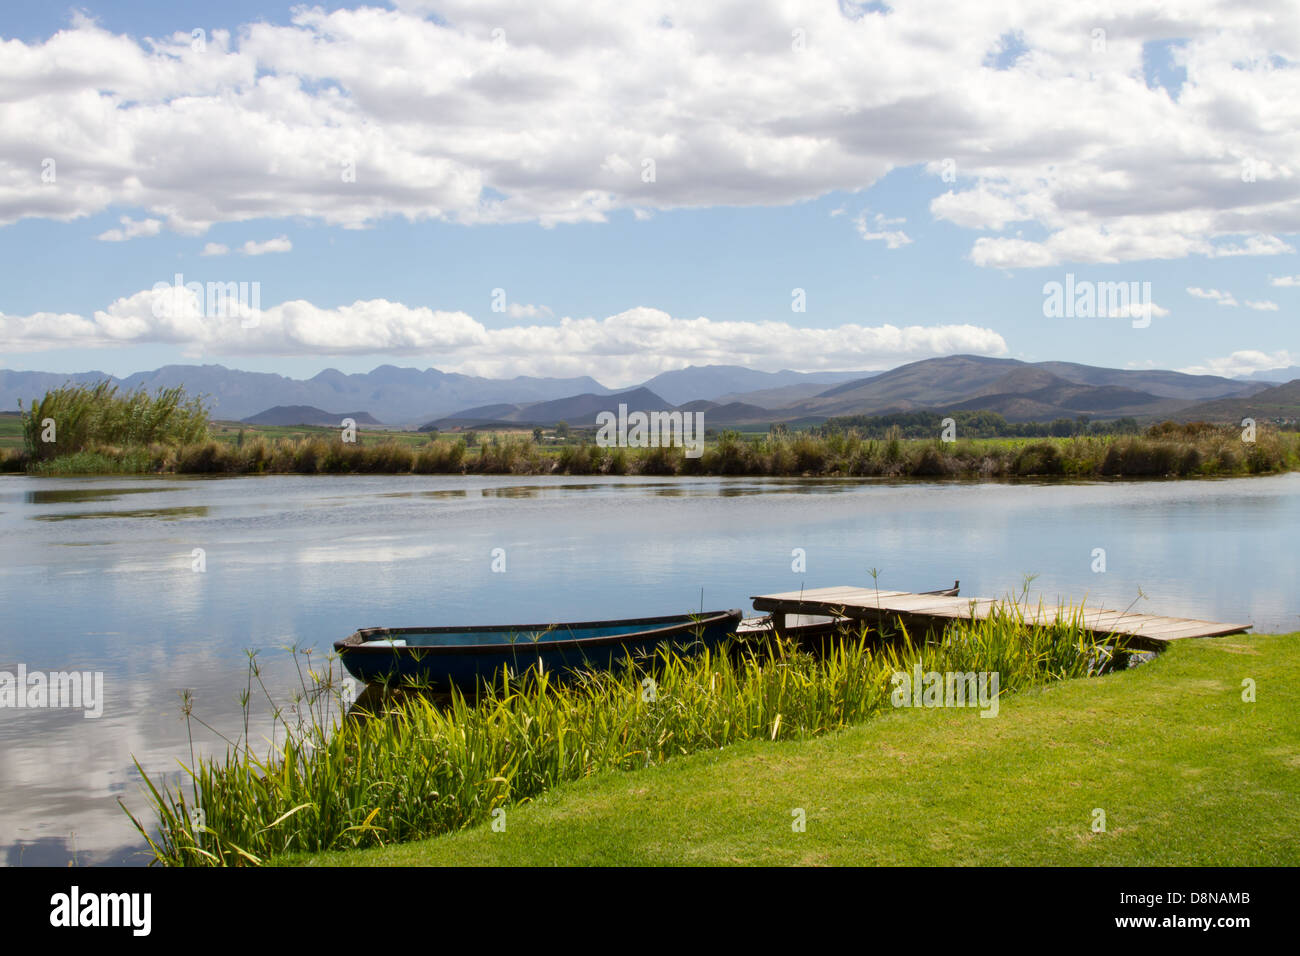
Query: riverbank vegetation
x=98, y=431
x=1186, y=772
x=981, y=424
x=417, y=767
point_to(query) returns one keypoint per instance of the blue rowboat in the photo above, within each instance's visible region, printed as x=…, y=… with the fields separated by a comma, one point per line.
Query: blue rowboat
x=464, y=657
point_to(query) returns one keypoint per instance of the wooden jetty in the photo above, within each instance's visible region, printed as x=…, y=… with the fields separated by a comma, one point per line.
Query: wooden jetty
x=919, y=612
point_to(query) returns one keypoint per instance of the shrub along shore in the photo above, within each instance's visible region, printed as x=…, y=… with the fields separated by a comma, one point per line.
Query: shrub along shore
x=98, y=431
x=1184, y=454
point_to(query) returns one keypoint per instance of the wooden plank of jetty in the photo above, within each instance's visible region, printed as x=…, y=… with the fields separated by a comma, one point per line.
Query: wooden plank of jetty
x=881, y=606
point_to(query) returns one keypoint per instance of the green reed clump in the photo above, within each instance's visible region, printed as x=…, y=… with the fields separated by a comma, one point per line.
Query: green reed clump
x=663, y=461
x=508, y=456
x=209, y=457
x=1082, y=456
x=416, y=768
x=99, y=461
x=580, y=460
x=616, y=462
x=257, y=455
x=929, y=462
x=440, y=457
x=893, y=443
x=732, y=455
x=388, y=457
x=308, y=454
x=811, y=455
x=1039, y=458
x=80, y=417
x=775, y=456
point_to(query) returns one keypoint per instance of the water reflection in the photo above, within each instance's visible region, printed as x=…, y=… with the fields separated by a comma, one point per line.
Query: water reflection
x=166, y=514
x=512, y=491
x=441, y=493
x=59, y=496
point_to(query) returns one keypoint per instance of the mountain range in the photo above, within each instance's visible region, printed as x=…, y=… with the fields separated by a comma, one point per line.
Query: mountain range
x=728, y=395
x=1278, y=375
x=1019, y=391
x=307, y=415
x=398, y=396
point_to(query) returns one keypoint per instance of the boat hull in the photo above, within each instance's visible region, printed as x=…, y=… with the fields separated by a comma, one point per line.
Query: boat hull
x=441, y=658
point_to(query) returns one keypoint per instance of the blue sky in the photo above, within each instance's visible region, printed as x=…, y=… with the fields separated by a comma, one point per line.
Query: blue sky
x=756, y=192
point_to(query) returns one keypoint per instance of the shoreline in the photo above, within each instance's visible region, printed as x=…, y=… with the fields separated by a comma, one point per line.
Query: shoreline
x=1187, y=453
x=895, y=480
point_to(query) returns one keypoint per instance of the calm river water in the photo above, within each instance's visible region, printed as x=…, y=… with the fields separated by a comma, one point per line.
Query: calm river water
x=98, y=575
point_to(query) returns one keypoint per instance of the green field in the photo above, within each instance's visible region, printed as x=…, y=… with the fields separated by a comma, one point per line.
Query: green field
x=11, y=431
x=229, y=432
x=1185, y=771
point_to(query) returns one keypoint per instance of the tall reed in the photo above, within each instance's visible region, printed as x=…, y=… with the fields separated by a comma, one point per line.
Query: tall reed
x=77, y=418
x=417, y=767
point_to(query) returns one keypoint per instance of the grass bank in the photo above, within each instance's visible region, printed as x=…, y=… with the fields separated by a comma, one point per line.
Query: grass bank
x=1186, y=772
x=422, y=768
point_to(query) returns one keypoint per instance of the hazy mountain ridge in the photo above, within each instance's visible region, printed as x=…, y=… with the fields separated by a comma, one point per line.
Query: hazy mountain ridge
x=575, y=410
x=1274, y=375
x=961, y=379
x=407, y=396
x=391, y=394
x=1281, y=401
x=726, y=382
x=307, y=415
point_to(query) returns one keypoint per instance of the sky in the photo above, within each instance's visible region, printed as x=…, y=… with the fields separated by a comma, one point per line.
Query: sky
x=616, y=190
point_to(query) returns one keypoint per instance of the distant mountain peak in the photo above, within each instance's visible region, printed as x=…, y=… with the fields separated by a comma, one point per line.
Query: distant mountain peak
x=307, y=415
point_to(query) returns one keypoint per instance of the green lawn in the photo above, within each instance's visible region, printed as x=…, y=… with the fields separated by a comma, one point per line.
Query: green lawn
x=1186, y=772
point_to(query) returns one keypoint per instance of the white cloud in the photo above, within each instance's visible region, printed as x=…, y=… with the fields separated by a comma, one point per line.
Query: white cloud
x=554, y=123
x=518, y=310
x=1243, y=363
x=985, y=208
x=1120, y=240
x=1137, y=310
x=132, y=229
x=279, y=244
x=1286, y=282
x=249, y=248
x=1011, y=253
x=1253, y=246
x=1262, y=306
x=1214, y=295
x=630, y=346
x=877, y=231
